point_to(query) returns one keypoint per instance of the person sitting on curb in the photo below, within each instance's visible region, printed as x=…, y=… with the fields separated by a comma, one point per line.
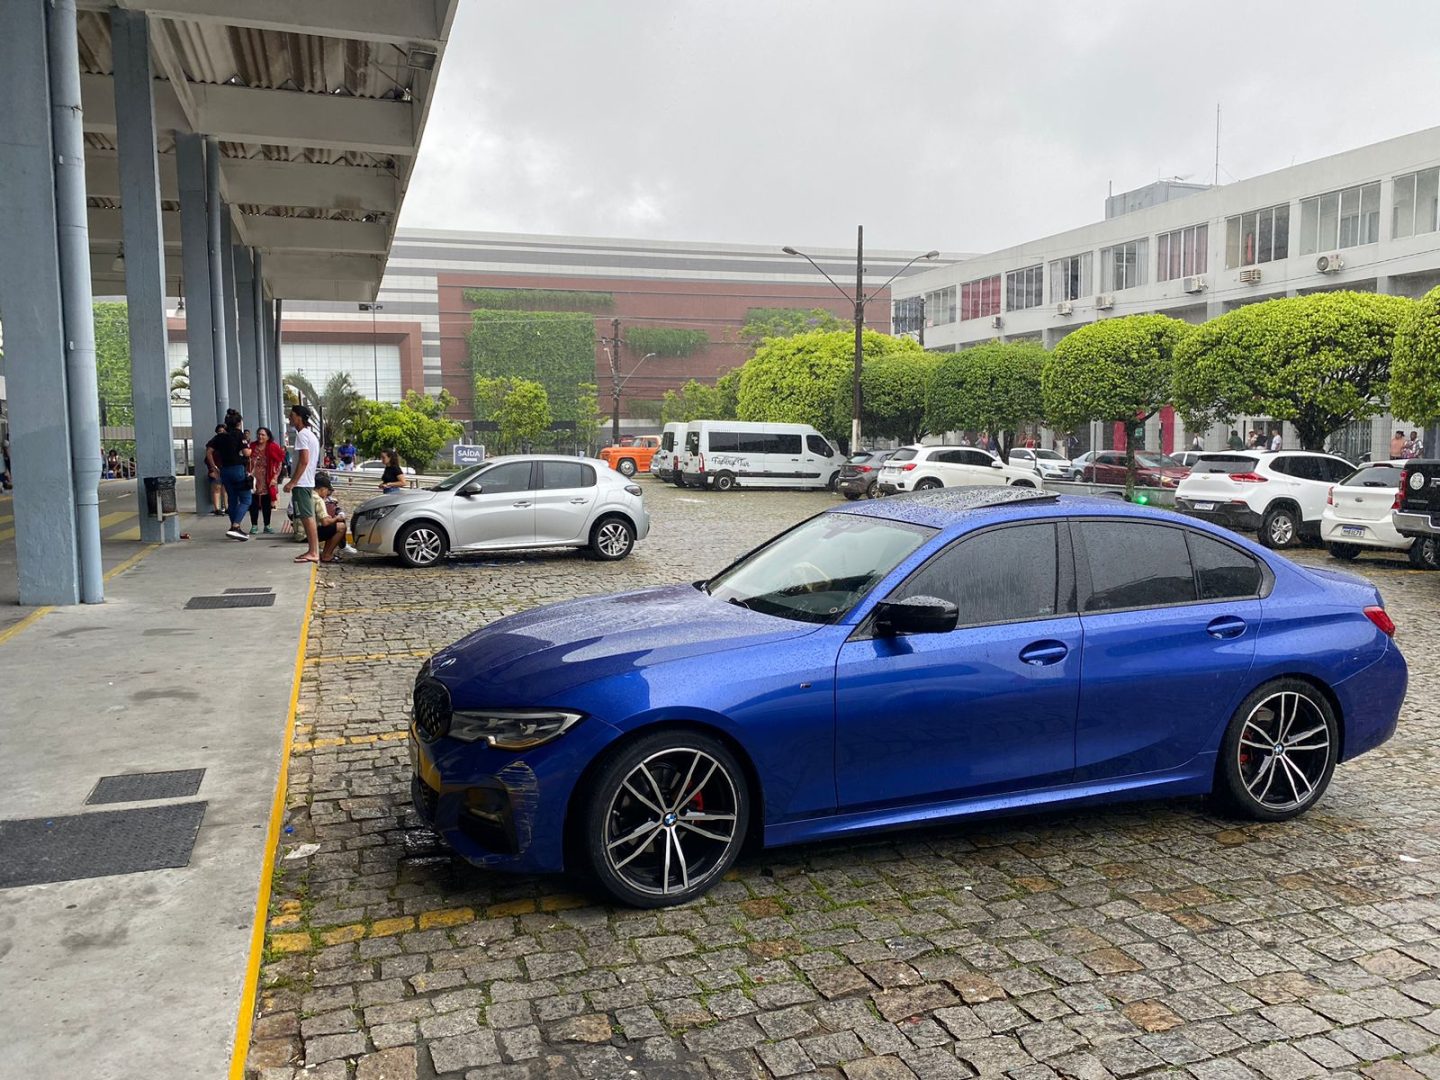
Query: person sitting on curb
x=330, y=524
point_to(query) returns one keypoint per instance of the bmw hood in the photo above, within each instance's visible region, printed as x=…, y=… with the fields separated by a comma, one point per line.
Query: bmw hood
x=529, y=658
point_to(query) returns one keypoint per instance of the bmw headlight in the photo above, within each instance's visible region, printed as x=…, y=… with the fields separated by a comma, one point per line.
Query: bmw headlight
x=512, y=729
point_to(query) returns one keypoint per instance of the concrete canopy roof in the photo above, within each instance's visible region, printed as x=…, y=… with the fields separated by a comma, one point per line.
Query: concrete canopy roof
x=318, y=107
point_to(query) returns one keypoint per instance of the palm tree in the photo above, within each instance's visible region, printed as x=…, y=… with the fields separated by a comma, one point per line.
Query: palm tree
x=300, y=391
x=336, y=406
x=180, y=382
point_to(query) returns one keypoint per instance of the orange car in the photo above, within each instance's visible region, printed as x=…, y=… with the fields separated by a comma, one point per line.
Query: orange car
x=632, y=455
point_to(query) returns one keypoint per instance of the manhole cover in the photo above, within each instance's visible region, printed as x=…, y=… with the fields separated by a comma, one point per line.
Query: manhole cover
x=196, y=603
x=138, y=787
x=39, y=850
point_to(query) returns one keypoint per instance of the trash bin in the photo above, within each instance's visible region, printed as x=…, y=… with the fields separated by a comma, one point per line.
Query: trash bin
x=160, y=496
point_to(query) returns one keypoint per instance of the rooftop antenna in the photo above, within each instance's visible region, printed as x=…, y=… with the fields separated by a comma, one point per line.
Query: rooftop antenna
x=1217, y=144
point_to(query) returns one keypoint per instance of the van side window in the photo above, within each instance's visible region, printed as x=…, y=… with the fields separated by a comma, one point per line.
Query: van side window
x=817, y=445
x=785, y=444
x=692, y=442
x=667, y=441
x=726, y=442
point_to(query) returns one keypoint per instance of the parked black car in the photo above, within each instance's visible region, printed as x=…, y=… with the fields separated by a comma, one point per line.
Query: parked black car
x=859, y=473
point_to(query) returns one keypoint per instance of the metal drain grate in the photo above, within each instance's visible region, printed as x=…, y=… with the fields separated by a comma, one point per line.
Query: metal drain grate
x=249, y=590
x=139, y=787
x=40, y=850
x=198, y=603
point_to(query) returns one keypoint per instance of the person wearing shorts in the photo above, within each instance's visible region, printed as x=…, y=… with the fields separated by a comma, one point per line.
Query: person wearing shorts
x=301, y=487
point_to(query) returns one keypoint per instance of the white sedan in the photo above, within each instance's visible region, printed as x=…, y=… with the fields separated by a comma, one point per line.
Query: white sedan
x=1357, y=513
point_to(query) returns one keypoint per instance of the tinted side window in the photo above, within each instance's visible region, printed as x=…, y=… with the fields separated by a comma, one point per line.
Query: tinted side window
x=1380, y=476
x=1134, y=565
x=724, y=442
x=667, y=441
x=558, y=475
x=502, y=478
x=1304, y=468
x=692, y=442
x=1283, y=465
x=785, y=444
x=1004, y=575
x=975, y=457
x=1333, y=470
x=816, y=445
x=903, y=454
x=1221, y=571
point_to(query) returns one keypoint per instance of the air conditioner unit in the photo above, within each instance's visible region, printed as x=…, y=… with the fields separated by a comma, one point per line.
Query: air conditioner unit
x=996, y=321
x=1065, y=307
x=1195, y=284
x=1250, y=276
x=1329, y=264
x=1105, y=301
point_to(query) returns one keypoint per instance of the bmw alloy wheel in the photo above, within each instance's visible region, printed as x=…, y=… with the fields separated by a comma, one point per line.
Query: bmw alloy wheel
x=672, y=823
x=1285, y=752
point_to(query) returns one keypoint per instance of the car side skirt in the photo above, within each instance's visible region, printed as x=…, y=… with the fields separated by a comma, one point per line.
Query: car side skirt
x=1195, y=777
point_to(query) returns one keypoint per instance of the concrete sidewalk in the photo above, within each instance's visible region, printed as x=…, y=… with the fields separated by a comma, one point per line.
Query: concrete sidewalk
x=141, y=974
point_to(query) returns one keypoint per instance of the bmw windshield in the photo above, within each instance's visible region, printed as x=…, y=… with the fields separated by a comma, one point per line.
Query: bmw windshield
x=820, y=569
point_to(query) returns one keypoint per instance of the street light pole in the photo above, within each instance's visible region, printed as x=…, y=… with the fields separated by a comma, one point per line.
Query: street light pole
x=859, y=300
x=374, y=345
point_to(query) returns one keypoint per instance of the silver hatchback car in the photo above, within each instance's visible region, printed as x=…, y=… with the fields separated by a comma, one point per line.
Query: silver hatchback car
x=530, y=501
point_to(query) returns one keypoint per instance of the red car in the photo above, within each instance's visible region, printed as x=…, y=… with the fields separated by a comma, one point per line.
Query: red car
x=1151, y=470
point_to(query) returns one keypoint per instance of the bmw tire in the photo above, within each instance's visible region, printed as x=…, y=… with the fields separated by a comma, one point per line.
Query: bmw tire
x=1278, y=753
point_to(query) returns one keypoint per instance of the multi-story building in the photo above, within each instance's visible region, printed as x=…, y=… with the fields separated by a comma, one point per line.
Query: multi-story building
x=1365, y=220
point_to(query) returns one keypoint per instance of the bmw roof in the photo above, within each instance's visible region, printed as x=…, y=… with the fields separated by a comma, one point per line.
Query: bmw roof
x=943, y=507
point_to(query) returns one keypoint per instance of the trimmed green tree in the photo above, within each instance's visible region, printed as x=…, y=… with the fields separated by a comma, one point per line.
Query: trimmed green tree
x=894, y=384
x=1415, y=371
x=693, y=401
x=1318, y=361
x=519, y=407
x=416, y=428
x=1116, y=371
x=994, y=388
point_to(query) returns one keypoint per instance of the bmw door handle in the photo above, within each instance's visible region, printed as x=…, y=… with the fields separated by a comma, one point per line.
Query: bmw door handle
x=1226, y=626
x=1040, y=653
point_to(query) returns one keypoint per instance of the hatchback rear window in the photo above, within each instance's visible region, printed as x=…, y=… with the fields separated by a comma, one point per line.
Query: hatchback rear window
x=859, y=459
x=901, y=455
x=1376, y=476
x=1230, y=464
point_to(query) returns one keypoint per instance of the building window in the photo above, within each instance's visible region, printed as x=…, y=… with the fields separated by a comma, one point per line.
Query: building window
x=906, y=313
x=1182, y=253
x=1025, y=288
x=940, y=307
x=1340, y=219
x=1261, y=236
x=1123, y=266
x=1417, y=198
x=980, y=298
x=1070, y=277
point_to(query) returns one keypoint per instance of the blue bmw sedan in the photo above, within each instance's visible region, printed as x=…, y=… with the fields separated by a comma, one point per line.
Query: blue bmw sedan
x=917, y=659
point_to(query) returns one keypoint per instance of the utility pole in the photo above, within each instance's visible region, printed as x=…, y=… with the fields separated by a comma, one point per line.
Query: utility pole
x=859, y=332
x=615, y=382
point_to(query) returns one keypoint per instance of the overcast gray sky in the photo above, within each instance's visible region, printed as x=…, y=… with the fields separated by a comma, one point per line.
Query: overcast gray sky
x=965, y=126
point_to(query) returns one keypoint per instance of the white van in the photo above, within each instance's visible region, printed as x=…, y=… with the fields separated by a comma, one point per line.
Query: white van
x=733, y=453
x=672, y=440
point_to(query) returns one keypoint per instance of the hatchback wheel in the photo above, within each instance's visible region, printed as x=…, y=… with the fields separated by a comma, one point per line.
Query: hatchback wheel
x=1348, y=552
x=626, y=467
x=1425, y=553
x=420, y=544
x=873, y=491
x=1279, y=751
x=665, y=818
x=1280, y=528
x=612, y=538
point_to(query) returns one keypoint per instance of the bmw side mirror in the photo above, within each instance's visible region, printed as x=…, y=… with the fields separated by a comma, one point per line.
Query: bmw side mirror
x=915, y=615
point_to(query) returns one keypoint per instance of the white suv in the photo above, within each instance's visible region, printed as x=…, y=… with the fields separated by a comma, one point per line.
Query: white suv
x=1279, y=495
x=919, y=468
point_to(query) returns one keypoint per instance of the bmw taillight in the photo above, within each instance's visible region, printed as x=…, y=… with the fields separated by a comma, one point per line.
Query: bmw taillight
x=909, y=465
x=1381, y=618
x=1249, y=478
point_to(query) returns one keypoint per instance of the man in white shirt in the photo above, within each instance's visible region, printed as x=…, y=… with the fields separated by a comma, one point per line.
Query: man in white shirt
x=1276, y=442
x=302, y=480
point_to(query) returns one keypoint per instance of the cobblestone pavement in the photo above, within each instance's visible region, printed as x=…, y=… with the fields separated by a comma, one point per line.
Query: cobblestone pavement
x=1153, y=940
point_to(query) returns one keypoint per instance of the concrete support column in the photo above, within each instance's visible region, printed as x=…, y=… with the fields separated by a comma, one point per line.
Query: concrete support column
x=232, y=317
x=46, y=545
x=1382, y=281
x=1214, y=309
x=245, y=335
x=277, y=316
x=144, y=262
x=200, y=344
x=266, y=412
x=214, y=212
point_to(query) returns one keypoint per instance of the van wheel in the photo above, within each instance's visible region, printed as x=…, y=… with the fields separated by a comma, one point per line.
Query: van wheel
x=1280, y=528
x=1425, y=553
x=626, y=467
x=724, y=481
x=834, y=481
x=612, y=538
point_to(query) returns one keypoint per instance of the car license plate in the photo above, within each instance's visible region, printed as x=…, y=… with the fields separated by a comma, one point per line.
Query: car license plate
x=1352, y=530
x=1204, y=506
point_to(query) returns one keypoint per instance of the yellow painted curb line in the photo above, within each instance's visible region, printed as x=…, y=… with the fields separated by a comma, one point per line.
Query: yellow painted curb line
x=34, y=617
x=115, y=571
x=245, y=1023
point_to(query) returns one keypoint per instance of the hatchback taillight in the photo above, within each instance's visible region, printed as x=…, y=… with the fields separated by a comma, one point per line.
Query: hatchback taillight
x=862, y=468
x=1381, y=618
x=909, y=465
x=1249, y=478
